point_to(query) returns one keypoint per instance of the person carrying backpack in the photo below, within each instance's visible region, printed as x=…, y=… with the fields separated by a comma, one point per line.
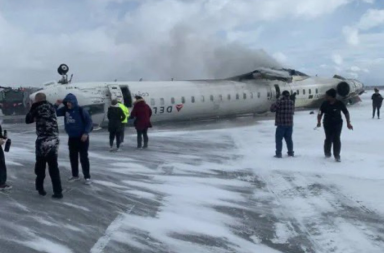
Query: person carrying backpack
x=78, y=125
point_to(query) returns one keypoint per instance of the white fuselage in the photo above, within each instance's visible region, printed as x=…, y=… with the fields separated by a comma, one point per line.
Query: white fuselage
x=186, y=100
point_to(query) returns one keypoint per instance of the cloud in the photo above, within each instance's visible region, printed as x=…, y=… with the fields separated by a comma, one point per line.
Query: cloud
x=155, y=39
x=246, y=37
x=338, y=59
x=351, y=35
x=372, y=18
x=280, y=57
x=352, y=75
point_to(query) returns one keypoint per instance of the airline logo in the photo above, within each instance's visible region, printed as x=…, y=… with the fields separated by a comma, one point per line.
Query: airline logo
x=179, y=107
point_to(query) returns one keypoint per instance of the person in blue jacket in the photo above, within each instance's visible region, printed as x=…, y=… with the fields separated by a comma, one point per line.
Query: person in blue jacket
x=78, y=125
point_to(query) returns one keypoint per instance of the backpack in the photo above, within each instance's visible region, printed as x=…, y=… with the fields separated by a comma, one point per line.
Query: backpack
x=81, y=111
x=82, y=117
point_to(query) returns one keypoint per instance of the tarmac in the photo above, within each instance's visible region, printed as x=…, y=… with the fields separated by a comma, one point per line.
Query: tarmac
x=183, y=194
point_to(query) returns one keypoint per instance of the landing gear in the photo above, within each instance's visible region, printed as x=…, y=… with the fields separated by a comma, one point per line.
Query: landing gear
x=63, y=70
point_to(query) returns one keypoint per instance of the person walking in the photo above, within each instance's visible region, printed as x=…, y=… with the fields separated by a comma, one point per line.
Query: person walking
x=377, y=101
x=284, y=109
x=124, y=121
x=3, y=167
x=47, y=144
x=78, y=125
x=116, y=117
x=141, y=113
x=333, y=123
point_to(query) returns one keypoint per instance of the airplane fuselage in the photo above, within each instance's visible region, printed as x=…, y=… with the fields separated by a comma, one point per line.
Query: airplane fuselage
x=189, y=100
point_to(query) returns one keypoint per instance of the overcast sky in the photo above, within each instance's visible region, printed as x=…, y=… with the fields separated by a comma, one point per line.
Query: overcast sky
x=105, y=40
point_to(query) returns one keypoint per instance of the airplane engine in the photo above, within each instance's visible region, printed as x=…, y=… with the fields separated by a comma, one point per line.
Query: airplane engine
x=343, y=89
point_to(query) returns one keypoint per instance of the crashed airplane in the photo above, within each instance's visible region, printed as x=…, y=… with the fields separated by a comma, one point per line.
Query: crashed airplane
x=251, y=93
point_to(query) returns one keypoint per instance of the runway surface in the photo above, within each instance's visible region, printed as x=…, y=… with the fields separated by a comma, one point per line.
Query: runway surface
x=204, y=187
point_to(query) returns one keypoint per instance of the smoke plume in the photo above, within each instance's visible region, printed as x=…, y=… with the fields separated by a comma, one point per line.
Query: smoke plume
x=189, y=55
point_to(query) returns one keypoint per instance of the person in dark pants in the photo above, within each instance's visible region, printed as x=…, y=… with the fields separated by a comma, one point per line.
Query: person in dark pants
x=284, y=109
x=116, y=116
x=78, y=125
x=333, y=123
x=3, y=167
x=125, y=120
x=377, y=101
x=47, y=144
x=142, y=114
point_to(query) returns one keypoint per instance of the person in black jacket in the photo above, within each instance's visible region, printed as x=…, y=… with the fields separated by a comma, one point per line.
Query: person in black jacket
x=333, y=123
x=47, y=144
x=115, y=124
x=377, y=101
x=3, y=167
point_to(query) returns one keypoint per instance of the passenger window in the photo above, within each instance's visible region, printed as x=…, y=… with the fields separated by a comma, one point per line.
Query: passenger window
x=298, y=92
x=153, y=101
x=303, y=92
x=202, y=99
x=317, y=91
x=258, y=95
x=309, y=91
x=212, y=98
x=162, y=101
x=237, y=96
x=245, y=96
x=193, y=99
x=221, y=97
x=229, y=96
x=251, y=94
x=173, y=100
x=183, y=100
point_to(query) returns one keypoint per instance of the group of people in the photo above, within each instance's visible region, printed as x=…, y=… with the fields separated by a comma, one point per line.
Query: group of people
x=118, y=116
x=78, y=126
x=331, y=110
